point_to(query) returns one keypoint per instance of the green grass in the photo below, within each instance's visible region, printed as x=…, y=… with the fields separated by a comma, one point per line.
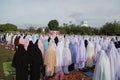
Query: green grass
x=5, y=55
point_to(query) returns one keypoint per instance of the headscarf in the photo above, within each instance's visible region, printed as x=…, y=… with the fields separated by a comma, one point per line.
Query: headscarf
x=112, y=54
x=82, y=54
x=89, y=54
x=102, y=68
x=19, y=56
x=97, y=49
x=50, y=58
x=59, y=52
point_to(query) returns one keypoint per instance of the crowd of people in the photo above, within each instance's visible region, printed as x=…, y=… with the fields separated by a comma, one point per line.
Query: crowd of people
x=55, y=53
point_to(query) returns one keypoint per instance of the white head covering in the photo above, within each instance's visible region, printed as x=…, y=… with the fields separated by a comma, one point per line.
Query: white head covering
x=89, y=54
x=112, y=54
x=102, y=68
x=30, y=39
x=21, y=40
x=97, y=49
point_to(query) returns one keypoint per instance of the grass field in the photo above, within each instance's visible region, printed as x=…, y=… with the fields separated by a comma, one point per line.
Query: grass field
x=5, y=55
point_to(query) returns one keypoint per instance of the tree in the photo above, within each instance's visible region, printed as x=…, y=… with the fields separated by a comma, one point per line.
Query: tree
x=31, y=29
x=21, y=30
x=95, y=31
x=111, y=28
x=39, y=30
x=46, y=30
x=8, y=27
x=2, y=28
x=53, y=25
x=117, y=28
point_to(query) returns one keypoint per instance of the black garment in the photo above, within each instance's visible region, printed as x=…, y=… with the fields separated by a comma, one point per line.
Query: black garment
x=16, y=42
x=56, y=40
x=86, y=43
x=35, y=60
x=71, y=67
x=20, y=63
x=117, y=44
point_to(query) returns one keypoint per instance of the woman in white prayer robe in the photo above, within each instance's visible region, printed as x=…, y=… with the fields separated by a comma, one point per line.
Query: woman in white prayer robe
x=82, y=54
x=10, y=39
x=102, y=68
x=97, y=49
x=59, y=55
x=66, y=57
x=105, y=44
x=118, y=67
x=89, y=54
x=76, y=45
x=112, y=54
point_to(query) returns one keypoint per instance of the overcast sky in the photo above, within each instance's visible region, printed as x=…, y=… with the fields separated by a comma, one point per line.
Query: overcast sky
x=40, y=12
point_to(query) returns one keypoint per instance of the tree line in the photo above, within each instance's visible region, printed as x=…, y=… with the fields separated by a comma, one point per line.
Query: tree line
x=109, y=28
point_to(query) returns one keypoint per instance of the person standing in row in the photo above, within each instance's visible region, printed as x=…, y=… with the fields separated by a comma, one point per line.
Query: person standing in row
x=50, y=59
x=29, y=60
x=20, y=63
x=66, y=57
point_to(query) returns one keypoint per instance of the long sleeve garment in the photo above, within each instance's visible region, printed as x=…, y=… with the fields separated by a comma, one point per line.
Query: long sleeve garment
x=102, y=68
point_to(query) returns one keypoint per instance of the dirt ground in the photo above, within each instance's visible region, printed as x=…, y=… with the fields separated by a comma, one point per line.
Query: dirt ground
x=74, y=75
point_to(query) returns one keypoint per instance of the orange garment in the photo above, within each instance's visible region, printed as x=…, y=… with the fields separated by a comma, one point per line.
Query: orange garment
x=50, y=59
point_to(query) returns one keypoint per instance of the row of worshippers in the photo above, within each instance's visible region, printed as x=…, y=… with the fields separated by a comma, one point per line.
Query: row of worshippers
x=28, y=58
x=60, y=52
x=14, y=40
x=107, y=57
x=108, y=64
x=10, y=38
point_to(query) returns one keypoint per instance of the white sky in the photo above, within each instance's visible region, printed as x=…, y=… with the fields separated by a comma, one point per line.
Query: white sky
x=40, y=12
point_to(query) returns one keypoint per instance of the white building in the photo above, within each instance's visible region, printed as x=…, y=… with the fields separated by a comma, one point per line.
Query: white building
x=84, y=23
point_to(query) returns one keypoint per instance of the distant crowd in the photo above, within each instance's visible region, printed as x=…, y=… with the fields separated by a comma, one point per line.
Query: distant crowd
x=37, y=54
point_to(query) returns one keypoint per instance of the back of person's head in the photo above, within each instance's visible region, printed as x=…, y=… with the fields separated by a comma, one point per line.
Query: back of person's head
x=86, y=43
x=64, y=36
x=116, y=38
x=49, y=39
x=56, y=40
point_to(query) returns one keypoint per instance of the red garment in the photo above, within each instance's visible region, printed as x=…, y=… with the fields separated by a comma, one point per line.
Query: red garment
x=0, y=44
x=59, y=75
x=10, y=46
